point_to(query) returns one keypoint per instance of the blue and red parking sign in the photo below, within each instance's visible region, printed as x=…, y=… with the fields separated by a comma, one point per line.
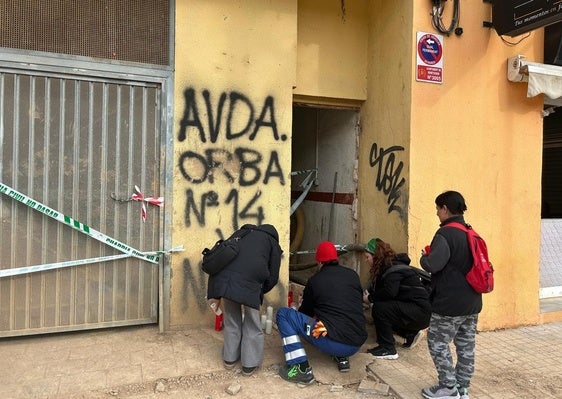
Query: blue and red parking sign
x=429, y=65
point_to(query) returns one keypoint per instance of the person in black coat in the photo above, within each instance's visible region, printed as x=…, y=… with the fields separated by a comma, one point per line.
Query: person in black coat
x=400, y=303
x=330, y=318
x=241, y=285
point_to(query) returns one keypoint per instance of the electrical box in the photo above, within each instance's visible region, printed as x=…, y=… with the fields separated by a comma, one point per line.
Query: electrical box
x=515, y=17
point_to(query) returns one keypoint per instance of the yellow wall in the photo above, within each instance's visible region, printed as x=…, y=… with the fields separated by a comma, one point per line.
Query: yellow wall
x=384, y=144
x=476, y=133
x=242, y=52
x=332, y=49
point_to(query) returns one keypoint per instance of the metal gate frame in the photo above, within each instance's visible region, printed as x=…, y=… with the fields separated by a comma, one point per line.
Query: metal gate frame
x=81, y=68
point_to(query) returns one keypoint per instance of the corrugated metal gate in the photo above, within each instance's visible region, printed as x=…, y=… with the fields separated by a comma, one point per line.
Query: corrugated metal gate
x=78, y=143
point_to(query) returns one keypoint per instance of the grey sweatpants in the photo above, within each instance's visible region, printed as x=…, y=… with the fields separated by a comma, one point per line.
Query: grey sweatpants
x=461, y=330
x=243, y=336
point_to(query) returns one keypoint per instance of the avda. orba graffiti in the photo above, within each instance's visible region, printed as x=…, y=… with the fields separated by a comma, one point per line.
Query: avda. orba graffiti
x=239, y=117
x=232, y=117
x=243, y=166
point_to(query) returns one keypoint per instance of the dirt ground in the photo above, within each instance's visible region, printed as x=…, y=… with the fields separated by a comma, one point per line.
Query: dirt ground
x=267, y=384
x=527, y=384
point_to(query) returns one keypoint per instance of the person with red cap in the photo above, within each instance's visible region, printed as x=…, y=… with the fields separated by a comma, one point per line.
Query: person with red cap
x=330, y=318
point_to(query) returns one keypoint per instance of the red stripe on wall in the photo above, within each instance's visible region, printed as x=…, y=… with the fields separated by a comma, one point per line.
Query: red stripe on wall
x=338, y=198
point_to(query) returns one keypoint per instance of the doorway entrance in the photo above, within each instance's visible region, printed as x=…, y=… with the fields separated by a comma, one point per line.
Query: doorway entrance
x=324, y=185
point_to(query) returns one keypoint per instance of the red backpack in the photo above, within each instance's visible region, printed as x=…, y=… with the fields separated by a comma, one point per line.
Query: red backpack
x=481, y=275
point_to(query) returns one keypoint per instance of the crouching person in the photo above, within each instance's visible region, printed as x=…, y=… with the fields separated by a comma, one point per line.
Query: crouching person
x=400, y=302
x=330, y=317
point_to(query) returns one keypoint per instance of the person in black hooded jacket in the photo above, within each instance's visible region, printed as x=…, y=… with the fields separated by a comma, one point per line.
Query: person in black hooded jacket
x=330, y=318
x=455, y=304
x=400, y=303
x=241, y=285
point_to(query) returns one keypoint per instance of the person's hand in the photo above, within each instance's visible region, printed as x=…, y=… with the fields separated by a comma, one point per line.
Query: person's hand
x=366, y=297
x=214, y=303
x=319, y=330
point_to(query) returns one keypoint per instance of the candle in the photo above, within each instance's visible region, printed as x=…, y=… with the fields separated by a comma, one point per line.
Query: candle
x=263, y=320
x=269, y=313
x=268, y=326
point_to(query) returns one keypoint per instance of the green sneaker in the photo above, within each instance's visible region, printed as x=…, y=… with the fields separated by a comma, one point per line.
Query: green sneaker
x=293, y=373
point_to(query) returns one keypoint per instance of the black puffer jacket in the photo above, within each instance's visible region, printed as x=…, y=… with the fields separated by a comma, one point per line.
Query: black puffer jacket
x=254, y=272
x=399, y=282
x=448, y=262
x=334, y=296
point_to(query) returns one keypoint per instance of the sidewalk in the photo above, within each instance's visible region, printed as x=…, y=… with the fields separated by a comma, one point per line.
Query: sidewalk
x=140, y=362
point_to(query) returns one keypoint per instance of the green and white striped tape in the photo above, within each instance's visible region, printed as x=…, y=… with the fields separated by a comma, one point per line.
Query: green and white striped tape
x=127, y=251
x=59, y=265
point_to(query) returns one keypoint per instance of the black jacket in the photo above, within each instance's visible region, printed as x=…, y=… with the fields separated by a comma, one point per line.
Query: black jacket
x=254, y=272
x=399, y=282
x=334, y=296
x=448, y=262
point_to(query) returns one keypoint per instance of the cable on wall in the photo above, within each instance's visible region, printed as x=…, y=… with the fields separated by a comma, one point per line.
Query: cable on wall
x=437, y=17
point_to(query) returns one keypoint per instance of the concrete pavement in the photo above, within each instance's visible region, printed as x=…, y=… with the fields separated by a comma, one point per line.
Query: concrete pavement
x=511, y=363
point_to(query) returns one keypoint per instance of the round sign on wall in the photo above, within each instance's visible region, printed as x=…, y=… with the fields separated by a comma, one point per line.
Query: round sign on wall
x=429, y=58
x=429, y=49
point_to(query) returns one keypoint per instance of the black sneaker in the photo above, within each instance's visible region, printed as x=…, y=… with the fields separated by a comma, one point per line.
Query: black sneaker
x=229, y=365
x=293, y=373
x=248, y=371
x=413, y=339
x=383, y=353
x=343, y=363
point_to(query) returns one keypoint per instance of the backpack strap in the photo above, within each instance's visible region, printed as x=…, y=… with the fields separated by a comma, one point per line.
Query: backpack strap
x=395, y=268
x=263, y=231
x=459, y=226
x=241, y=232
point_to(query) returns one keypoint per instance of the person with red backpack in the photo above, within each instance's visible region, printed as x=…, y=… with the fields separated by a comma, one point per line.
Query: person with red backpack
x=455, y=305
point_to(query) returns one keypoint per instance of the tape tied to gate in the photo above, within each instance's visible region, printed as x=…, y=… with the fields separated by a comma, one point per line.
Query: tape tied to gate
x=127, y=251
x=138, y=196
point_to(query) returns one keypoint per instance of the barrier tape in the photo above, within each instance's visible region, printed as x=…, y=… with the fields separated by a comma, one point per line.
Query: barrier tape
x=339, y=248
x=48, y=266
x=81, y=227
x=138, y=196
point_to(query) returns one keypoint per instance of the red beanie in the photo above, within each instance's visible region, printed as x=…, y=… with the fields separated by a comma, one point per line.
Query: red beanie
x=326, y=251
